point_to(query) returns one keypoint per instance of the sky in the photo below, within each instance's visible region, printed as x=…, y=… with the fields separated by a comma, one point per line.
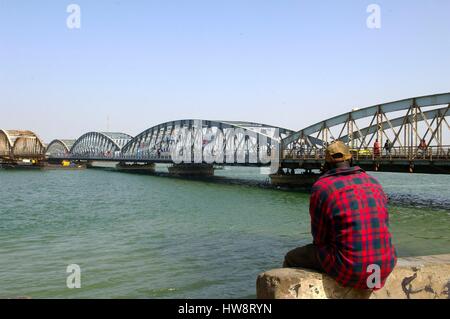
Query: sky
x=134, y=64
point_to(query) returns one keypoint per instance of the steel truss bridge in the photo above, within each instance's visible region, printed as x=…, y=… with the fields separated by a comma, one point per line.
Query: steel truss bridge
x=415, y=129
x=182, y=141
x=412, y=136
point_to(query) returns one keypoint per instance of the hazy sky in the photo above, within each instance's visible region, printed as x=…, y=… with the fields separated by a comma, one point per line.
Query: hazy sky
x=140, y=63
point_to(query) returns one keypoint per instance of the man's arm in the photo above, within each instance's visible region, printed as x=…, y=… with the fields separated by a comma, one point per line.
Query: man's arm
x=319, y=225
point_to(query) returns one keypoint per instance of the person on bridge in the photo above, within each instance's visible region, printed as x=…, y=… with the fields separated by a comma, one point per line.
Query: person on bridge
x=422, y=147
x=377, y=148
x=388, y=147
x=349, y=225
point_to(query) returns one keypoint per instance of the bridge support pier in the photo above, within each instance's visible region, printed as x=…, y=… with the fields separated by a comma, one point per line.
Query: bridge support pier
x=187, y=169
x=304, y=180
x=136, y=168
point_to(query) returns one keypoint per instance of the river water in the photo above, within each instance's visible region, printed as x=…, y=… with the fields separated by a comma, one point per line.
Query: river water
x=140, y=236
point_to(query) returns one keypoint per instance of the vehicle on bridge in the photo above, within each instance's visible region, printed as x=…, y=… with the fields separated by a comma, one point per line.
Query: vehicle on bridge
x=361, y=152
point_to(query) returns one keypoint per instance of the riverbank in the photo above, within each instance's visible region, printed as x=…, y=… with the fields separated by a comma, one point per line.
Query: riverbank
x=425, y=277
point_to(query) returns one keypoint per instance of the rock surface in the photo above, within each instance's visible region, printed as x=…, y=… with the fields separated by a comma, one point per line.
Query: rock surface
x=426, y=277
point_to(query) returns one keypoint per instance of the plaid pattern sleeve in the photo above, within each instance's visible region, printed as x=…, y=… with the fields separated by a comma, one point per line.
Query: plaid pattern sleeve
x=349, y=224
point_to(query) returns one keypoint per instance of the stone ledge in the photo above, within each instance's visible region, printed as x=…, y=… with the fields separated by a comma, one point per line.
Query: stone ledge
x=426, y=277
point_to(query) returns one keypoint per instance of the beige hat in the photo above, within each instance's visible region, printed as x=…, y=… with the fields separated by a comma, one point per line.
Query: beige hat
x=335, y=148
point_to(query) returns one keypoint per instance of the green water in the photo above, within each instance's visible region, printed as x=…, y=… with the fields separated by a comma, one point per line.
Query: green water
x=137, y=236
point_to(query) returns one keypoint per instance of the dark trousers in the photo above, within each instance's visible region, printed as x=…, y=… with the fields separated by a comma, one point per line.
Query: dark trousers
x=303, y=257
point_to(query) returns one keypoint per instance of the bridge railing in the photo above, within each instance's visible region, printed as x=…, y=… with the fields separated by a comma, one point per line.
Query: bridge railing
x=149, y=157
x=429, y=153
x=112, y=157
x=246, y=158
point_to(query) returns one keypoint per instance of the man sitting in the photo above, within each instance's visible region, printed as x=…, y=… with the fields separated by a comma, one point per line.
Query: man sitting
x=349, y=225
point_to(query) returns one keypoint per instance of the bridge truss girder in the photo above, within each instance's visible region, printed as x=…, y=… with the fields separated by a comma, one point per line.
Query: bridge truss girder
x=99, y=144
x=406, y=133
x=19, y=144
x=59, y=147
x=200, y=141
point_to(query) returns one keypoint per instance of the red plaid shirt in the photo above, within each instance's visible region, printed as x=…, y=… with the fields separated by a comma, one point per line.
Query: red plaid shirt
x=349, y=224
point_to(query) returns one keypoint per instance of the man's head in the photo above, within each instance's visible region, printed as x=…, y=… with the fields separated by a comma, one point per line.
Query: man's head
x=337, y=154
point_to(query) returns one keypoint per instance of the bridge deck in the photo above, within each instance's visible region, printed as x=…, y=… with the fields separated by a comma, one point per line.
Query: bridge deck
x=433, y=161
